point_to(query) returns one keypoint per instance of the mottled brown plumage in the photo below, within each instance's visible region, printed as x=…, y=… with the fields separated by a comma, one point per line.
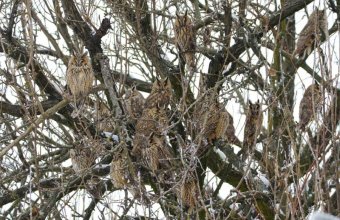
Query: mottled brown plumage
x=82, y=158
x=309, y=104
x=149, y=145
x=79, y=78
x=150, y=157
x=124, y=175
x=157, y=155
x=134, y=103
x=189, y=191
x=204, y=119
x=185, y=38
x=160, y=95
x=225, y=129
x=153, y=120
x=119, y=170
x=214, y=121
x=104, y=117
x=253, y=125
x=310, y=34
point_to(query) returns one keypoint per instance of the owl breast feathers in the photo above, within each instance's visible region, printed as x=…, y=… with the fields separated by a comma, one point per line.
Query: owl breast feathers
x=214, y=121
x=185, y=38
x=79, y=77
x=310, y=34
x=134, y=103
x=154, y=120
x=84, y=154
x=82, y=159
x=189, y=190
x=119, y=169
x=309, y=104
x=253, y=124
x=149, y=143
x=160, y=95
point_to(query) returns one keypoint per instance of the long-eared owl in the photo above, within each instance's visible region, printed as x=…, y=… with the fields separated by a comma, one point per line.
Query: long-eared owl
x=79, y=77
x=213, y=120
x=119, y=170
x=149, y=143
x=189, y=190
x=83, y=157
x=134, y=103
x=253, y=124
x=310, y=34
x=103, y=117
x=185, y=38
x=160, y=95
x=153, y=120
x=309, y=104
x=225, y=129
x=158, y=153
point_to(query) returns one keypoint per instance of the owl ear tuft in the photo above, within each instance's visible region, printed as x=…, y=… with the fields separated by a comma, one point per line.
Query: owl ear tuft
x=167, y=82
x=158, y=81
x=258, y=106
x=84, y=54
x=185, y=16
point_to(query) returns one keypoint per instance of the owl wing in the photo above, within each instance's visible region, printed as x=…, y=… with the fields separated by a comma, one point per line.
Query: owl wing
x=308, y=105
x=135, y=105
x=305, y=41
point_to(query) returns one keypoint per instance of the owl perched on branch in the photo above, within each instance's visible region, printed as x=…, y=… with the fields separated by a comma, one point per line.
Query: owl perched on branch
x=225, y=129
x=153, y=120
x=82, y=158
x=309, y=104
x=311, y=33
x=121, y=173
x=253, y=125
x=189, y=190
x=214, y=121
x=160, y=95
x=149, y=143
x=124, y=175
x=134, y=103
x=79, y=79
x=185, y=38
x=103, y=117
x=158, y=153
